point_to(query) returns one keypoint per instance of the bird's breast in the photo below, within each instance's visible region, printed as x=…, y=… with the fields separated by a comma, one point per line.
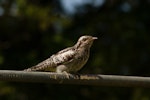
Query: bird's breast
x=79, y=61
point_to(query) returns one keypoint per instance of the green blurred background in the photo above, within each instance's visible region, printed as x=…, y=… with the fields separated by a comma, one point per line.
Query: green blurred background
x=32, y=30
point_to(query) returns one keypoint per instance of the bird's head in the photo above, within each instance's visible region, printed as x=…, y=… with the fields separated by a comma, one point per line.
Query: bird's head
x=85, y=41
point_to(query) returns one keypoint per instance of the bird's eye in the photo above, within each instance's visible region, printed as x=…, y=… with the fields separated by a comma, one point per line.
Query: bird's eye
x=84, y=39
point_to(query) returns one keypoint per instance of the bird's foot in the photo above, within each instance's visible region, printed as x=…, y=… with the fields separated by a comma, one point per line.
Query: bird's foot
x=67, y=74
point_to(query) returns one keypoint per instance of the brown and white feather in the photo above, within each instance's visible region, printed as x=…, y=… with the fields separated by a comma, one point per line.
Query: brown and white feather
x=70, y=59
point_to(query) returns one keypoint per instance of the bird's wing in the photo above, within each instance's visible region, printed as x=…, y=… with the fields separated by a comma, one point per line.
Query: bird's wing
x=64, y=56
x=59, y=58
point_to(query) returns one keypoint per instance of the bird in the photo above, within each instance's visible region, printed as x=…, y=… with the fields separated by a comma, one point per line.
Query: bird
x=69, y=60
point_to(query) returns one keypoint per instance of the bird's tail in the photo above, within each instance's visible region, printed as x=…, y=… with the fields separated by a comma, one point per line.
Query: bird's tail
x=34, y=68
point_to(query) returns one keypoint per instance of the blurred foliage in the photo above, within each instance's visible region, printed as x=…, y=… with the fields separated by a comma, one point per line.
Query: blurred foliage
x=32, y=30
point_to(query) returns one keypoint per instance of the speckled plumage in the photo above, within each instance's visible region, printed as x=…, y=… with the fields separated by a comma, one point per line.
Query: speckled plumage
x=71, y=59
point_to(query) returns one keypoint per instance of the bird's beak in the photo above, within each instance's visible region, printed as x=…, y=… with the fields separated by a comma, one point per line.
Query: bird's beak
x=94, y=38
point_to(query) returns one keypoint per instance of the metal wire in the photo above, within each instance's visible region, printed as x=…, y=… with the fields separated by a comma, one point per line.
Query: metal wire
x=82, y=79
